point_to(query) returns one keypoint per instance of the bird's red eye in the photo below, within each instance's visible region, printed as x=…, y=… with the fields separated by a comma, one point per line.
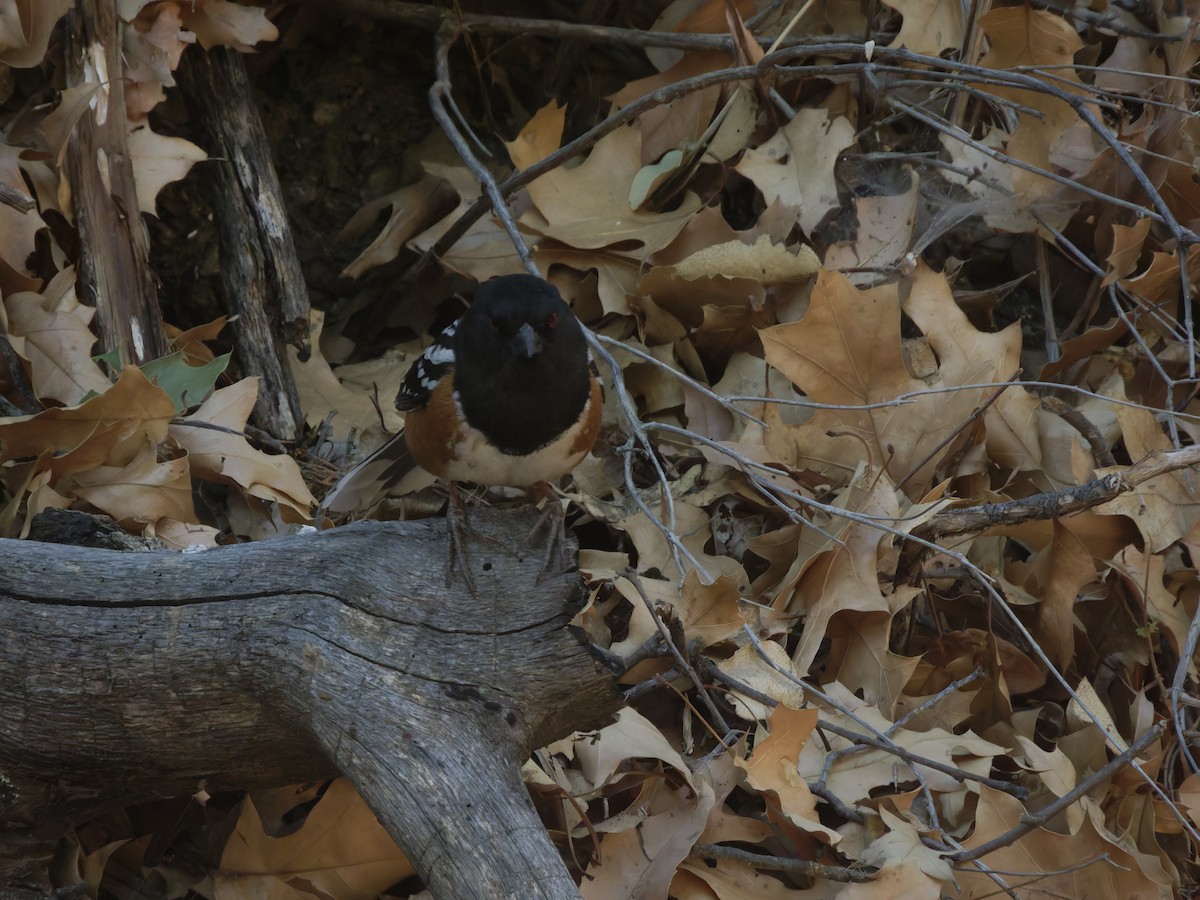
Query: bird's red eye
x=552, y=321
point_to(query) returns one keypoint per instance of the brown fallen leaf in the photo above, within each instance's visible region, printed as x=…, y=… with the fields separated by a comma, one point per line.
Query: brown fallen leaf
x=340, y=851
x=228, y=458
x=57, y=341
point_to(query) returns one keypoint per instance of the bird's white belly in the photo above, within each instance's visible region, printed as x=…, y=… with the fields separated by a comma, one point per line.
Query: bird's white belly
x=476, y=460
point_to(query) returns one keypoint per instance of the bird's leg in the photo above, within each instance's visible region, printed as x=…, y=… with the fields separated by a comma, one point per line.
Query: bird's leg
x=459, y=528
x=557, y=519
x=456, y=522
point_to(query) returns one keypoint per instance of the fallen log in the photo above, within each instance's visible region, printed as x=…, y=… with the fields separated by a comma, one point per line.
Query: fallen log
x=127, y=676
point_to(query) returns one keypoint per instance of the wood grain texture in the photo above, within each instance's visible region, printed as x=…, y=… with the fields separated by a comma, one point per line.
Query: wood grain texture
x=260, y=271
x=114, y=270
x=126, y=676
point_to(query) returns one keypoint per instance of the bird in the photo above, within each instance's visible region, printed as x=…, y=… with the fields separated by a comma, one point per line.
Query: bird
x=506, y=395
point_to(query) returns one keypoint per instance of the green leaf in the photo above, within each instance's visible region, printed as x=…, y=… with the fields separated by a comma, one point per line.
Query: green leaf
x=186, y=385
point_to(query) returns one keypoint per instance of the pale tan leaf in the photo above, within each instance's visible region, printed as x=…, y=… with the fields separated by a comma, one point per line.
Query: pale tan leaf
x=157, y=161
x=218, y=22
x=58, y=342
x=929, y=26
x=25, y=29
x=796, y=165
x=588, y=206
x=340, y=851
x=229, y=458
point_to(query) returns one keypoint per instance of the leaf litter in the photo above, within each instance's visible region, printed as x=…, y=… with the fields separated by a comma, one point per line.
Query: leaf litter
x=1013, y=715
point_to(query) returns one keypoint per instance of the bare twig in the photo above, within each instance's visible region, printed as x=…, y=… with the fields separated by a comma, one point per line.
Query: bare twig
x=1056, y=504
x=1101, y=455
x=681, y=659
x=875, y=738
x=17, y=199
x=786, y=864
x=1030, y=821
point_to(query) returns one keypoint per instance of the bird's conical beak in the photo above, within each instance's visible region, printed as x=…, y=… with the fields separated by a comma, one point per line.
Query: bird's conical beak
x=526, y=342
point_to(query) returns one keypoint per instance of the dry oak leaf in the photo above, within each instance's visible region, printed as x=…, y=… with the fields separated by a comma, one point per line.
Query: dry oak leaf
x=687, y=300
x=675, y=125
x=969, y=356
x=57, y=340
x=726, y=880
x=747, y=667
x=884, y=235
x=616, y=276
x=929, y=26
x=645, y=844
x=902, y=880
x=844, y=577
x=990, y=181
x=217, y=22
x=762, y=261
x=693, y=524
x=1023, y=36
x=25, y=29
x=1144, y=574
x=1159, y=287
x=796, y=166
x=340, y=851
x=1057, y=576
x=955, y=654
x=902, y=844
x=631, y=736
x=412, y=208
x=1188, y=797
x=588, y=206
x=847, y=350
x=773, y=768
x=1055, y=769
x=1164, y=508
x=1126, y=251
x=229, y=458
x=110, y=429
x=182, y=535
x=139, y=493
x=853, y=777
x=485, y=250
x=158, y=159
x=17, y=229
x=322, y=392
x=1092, y=862
x=860, y=654
x=152, y=45
x=191, y=342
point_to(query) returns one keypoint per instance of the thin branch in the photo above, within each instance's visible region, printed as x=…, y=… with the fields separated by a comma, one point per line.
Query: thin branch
x=1030, y=821
x=876, y=738
x=1057, y=504
x=785, y=864
x=681, y=659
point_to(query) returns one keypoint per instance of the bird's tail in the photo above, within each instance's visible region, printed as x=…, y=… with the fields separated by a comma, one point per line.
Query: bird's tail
x=369, y=481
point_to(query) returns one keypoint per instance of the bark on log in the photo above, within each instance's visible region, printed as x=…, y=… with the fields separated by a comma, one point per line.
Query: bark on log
x=114, y=274
x=127, y=676
x=260, y=271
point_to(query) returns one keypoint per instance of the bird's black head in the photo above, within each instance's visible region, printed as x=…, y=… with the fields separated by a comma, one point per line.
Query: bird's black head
x=519, y=322
x=522, y=357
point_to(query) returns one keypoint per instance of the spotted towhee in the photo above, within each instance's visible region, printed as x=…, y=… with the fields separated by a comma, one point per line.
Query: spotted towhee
x=506, y=395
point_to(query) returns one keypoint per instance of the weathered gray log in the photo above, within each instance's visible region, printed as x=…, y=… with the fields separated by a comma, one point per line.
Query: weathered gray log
x=260, y=271
x=126, y=676
x=114, y=275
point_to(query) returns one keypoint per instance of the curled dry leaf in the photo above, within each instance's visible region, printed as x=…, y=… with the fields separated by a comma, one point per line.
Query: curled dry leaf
x=226, y=456
x=341, y=851
x=57, y=341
